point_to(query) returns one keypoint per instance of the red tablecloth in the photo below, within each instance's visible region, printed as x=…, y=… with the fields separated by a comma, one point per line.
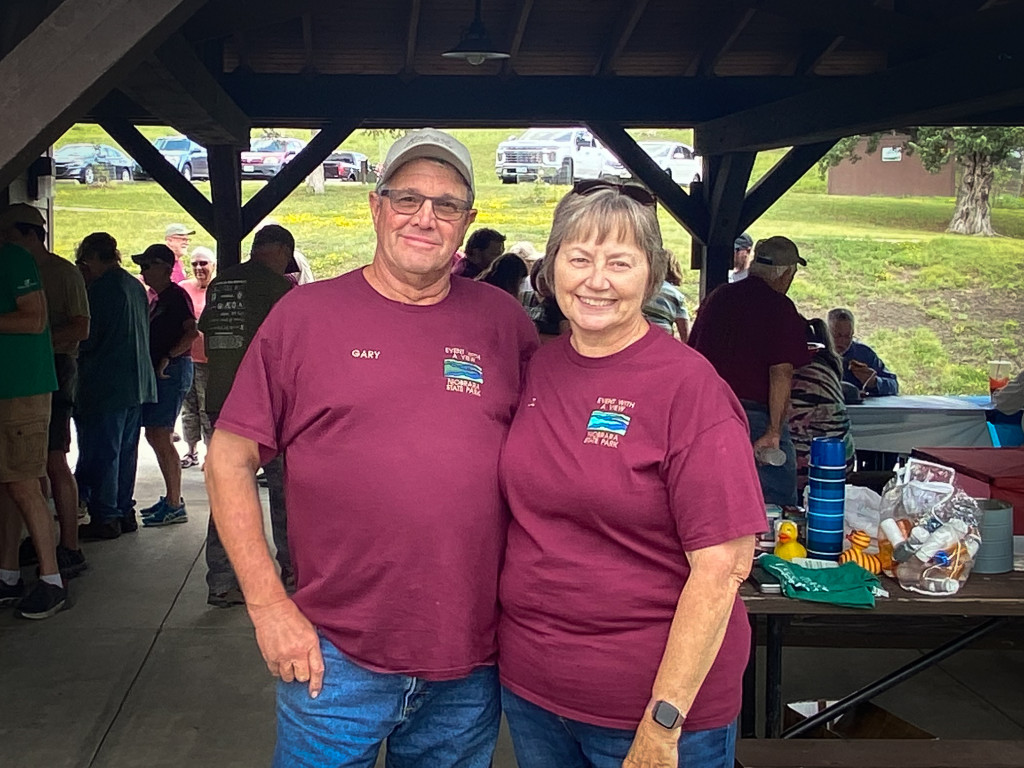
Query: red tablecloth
x=1001, y=468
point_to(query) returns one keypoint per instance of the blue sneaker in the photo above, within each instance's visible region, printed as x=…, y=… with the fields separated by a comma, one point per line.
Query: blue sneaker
x=166, y=515
x=148, y=511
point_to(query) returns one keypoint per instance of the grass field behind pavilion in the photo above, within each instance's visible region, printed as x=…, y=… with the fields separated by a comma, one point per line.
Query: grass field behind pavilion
x=936, y=307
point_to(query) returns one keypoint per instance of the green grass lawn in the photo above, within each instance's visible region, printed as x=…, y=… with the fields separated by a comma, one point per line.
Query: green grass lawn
x=936, y=307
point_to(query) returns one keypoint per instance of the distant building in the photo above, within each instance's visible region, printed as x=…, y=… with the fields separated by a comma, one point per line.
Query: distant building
x=890, y=172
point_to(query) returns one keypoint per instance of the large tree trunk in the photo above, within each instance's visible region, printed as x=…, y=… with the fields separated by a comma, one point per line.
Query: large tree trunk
x=973, y=215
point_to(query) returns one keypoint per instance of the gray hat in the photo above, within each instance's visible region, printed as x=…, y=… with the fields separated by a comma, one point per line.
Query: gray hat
x=21, y=213
x=433, y=144
x=743, y=242
x=178, y=229
x=778, y=251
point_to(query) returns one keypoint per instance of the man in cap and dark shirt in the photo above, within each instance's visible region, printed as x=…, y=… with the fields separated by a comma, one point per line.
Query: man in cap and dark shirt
x=753, y=335
x=741, y=255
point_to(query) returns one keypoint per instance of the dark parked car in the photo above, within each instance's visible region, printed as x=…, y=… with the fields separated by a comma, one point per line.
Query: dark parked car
x=267, y=156
x=188, y=158
x=347, y=166
x=89, y=163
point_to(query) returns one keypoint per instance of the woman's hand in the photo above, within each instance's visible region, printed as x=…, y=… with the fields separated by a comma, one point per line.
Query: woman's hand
x=653, y=747
x=161, y=368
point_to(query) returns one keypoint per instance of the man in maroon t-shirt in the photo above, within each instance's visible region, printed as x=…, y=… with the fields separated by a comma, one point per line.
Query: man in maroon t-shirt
x=389, y=391
x=753, y=335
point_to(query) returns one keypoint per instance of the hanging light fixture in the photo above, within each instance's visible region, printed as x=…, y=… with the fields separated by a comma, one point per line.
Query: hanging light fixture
x=475, y=46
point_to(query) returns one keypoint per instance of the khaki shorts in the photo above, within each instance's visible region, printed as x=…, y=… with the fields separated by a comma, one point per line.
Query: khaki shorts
x=24, y=427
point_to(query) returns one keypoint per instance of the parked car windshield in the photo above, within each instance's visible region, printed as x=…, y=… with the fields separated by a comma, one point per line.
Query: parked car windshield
x=75, y=150
x=546, y=134
x=267, y=145
x=172, y=145
x=656, y=148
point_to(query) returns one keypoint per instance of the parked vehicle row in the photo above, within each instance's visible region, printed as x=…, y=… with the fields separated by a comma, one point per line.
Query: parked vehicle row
x=568, y=155
x=89, y=163
x=188, y=158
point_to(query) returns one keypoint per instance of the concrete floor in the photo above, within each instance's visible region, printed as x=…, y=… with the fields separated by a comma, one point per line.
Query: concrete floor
x=141, y=672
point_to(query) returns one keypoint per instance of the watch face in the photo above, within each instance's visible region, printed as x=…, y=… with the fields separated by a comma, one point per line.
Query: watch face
x=666, y=715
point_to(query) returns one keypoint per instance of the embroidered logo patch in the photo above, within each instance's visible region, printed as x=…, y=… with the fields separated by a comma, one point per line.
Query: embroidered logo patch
x=462, y=371
x=608, y=422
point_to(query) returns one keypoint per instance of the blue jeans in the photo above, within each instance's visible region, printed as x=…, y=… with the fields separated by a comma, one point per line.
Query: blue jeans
x=108, y=456
x=170, y=394
x=450, y=724
x=542, y=739
x=778, y=484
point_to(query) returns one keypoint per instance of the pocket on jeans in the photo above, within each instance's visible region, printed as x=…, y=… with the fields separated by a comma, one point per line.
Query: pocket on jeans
x=23, y=452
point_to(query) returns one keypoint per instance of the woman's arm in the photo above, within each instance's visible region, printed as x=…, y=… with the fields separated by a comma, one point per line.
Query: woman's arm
x=716, y=574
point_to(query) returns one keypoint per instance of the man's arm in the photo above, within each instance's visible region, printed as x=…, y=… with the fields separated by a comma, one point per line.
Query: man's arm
x=780, y=381
x=75, y=329
x=716, y=574
x=1010, y=398
x=28, y=317
x=287, y=640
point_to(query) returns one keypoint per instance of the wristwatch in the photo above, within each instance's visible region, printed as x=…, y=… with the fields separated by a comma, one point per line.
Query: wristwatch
x=666, y=715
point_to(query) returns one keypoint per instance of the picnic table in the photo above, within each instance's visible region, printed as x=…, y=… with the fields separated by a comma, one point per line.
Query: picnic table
x=900, y=423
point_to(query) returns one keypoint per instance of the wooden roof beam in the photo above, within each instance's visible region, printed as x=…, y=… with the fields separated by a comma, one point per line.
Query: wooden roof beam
x=165, y=174
x=932, y=91
x=309, y=67
x=625, y=26
x=521, y=15
x=813, y=52
x=411, y=35
x=779, y=179
x=178, y=88
x=724, y=26
x=689, y=211
x=857, y=19
x=292, y=174
x=68, y=62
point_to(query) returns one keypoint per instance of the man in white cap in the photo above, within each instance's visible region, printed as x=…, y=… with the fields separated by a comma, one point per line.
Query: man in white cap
x=378, y=387
x=176, y=237
x=753, y=335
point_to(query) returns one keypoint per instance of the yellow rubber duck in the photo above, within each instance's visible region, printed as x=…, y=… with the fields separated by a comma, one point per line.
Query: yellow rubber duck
x=788, y=546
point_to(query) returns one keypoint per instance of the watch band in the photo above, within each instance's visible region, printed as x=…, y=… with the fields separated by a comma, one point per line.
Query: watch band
x=667, y=715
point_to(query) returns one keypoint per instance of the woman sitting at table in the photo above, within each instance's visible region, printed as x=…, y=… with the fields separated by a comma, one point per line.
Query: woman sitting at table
x=634, y=503
x=817, y=408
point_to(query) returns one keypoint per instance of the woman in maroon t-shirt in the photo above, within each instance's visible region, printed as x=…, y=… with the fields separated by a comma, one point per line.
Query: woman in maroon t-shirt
x=635, y=503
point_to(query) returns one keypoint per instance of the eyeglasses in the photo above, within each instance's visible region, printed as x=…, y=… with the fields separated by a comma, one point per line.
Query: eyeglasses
x=632, y=191
x=200, y=263
x=407, y=202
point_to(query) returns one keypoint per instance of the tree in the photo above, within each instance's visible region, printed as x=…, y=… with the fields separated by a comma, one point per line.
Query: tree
x=976, y=151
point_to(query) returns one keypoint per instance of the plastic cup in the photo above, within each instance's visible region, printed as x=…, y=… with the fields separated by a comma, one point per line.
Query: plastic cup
x=998, y=374
x=828, y=452
x=820, y=506
x=827, y=491
x=837, y=474
x=773, y=457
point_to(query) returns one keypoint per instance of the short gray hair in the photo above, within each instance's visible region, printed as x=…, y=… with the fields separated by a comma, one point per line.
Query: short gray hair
x=605, y=213
x=770, y=271
x=840, y=314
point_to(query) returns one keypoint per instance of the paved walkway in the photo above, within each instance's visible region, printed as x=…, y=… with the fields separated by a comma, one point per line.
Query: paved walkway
x=140, y=672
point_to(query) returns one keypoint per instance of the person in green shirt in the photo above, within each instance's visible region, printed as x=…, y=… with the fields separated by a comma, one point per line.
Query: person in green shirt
x=27, y=378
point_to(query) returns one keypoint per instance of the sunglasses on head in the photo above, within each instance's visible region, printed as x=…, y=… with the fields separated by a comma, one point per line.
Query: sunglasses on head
x=633, y=191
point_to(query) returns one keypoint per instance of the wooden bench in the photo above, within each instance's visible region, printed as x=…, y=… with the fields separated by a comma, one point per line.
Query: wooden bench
x=878, y=753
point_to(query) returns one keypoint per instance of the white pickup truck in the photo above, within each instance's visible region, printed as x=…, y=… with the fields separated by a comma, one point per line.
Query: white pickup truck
x=557, y=155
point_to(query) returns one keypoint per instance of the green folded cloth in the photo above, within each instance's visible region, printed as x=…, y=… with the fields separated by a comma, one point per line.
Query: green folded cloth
x=848, y=585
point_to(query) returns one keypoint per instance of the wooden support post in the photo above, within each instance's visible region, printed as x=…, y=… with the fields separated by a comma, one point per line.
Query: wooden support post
x=226, y=189
x=165, y=174
x=725, y=185
x=684, y=208
x=291, y=175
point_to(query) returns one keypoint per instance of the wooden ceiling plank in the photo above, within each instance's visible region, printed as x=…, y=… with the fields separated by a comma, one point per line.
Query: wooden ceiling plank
x=71, y=60
x=726, y=27
x=625, y=27
x=307, y=44
x=689, y=211
x=520, y=15
x=411, y=35
x=856, y=19
x=813, y=52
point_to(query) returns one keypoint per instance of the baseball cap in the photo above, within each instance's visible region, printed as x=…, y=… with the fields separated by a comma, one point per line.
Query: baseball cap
x=155, y=252
x=742, y=242
x=432, y=143
x=21, y=213
x=778, y=251
x=178, y=229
